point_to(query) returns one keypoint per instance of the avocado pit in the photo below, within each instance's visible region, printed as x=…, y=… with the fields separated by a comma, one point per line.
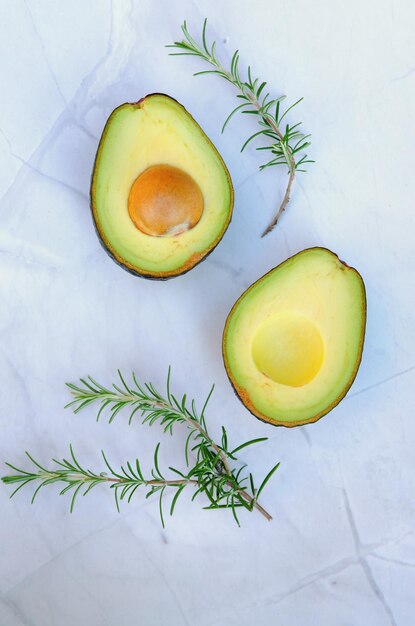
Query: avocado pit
x=164, y=201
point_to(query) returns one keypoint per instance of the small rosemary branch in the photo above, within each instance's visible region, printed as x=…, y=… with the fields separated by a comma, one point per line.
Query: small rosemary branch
x=286, y=143
x=211, y=474
x=77, y=478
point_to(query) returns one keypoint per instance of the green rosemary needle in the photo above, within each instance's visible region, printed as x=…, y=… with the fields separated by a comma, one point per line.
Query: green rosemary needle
x=210, y=473
x=287, y=142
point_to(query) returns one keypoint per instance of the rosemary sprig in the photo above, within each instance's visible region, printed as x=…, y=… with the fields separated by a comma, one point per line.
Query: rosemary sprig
x=77, y=478
x=287, y=142
x=210, y=474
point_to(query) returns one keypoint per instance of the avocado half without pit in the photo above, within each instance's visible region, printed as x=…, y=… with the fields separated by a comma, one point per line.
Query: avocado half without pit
x=161, y=195
x=293, y=341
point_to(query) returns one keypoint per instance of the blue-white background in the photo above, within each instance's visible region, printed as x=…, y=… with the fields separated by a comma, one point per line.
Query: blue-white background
x=341, y=548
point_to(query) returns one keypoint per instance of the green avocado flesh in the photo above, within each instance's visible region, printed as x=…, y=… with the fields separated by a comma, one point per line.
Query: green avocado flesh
x=293, y=341
x=158, y=132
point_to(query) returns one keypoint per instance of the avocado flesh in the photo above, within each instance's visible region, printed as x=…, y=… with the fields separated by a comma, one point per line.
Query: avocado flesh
x=293, y=341
x=157, y=131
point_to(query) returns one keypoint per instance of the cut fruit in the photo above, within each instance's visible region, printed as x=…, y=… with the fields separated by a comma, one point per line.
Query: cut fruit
x=293, y=341
x=161, y=195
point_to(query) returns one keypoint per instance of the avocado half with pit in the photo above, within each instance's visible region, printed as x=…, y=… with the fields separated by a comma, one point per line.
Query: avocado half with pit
x=293, y=341
x=161, y=195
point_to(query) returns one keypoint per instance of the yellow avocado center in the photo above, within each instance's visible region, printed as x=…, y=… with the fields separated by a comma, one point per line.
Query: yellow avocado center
x=165, y=201
x=288, y=349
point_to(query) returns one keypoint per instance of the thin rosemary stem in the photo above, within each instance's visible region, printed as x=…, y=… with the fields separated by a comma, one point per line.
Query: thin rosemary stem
x=287, y=141
x=186, y=481
x=195, y=424
x=157, y=404
x=166, y=483
x=224, y=460
x=256, y=505
x=291, y=165
x=283, y=205
x=108, y=479
x=212, y=471
x=220, y=453
x=272, y=124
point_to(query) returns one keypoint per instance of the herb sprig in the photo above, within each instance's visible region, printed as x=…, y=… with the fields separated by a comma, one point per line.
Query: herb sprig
x=287, y=142
x=210, y=474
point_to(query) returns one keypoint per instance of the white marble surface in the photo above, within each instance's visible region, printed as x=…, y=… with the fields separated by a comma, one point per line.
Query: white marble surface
x=341, y=549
